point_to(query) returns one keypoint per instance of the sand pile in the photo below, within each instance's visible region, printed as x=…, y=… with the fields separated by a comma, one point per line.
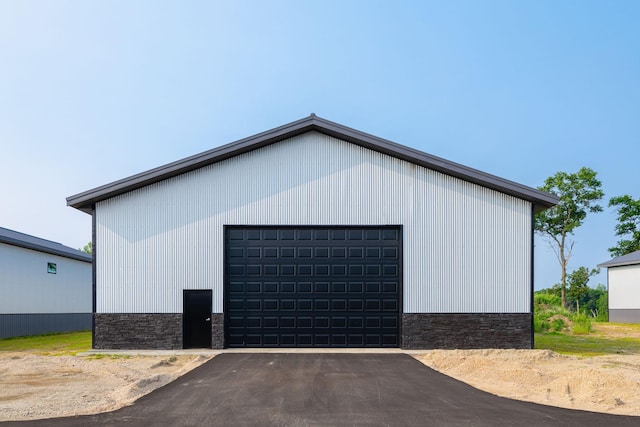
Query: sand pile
x=603, y=384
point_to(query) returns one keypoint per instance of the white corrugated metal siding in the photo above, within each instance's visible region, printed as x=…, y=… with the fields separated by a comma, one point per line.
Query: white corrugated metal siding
x=624, y=287
x=26, y=287
x=466, y=248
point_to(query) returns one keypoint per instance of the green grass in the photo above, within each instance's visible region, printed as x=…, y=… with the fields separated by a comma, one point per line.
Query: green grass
x=50, y=345
x=99, y=356
x=586, y=345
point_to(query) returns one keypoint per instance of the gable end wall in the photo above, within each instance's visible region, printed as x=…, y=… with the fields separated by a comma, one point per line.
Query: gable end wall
x=467, y=249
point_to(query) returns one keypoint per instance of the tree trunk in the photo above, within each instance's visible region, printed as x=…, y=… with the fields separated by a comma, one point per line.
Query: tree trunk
x=563, y=277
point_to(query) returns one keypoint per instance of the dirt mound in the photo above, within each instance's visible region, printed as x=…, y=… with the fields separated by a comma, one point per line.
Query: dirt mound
x=603, y=384
x=566, y=322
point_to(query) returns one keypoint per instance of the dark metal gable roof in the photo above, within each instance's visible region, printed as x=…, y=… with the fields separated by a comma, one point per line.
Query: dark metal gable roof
x=26, y=241
x=628, y=259
x=86, y=201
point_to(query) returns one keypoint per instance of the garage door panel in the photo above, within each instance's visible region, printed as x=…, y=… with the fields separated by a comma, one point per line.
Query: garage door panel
x=355, y=340
x=236, y=306
x=305, y=287
x=312, y=287
x=338, y=288
x=271, y=340
x=253, y=287
x=255, y=252
x=288, y=322
x=253, y=270
x=305, y=340
x=338, y=305
x=270, y=287
x=287, y=252
x=253, y=305
x=305, y=305
x=287, y=340
x=322, y=305
x=271, y=322
x=339, y=252
x=390, y=270
x=288, y=305
x=355, y=305
x=305, y=270
x=237, y=322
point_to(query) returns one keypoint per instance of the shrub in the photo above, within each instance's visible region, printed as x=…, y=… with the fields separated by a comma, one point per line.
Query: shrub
x=581, y=324
x=543, y=299
x=557, y=325
x=603, y=308
x=540, y=324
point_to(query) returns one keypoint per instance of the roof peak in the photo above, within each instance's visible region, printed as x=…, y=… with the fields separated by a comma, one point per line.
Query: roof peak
x=86, y=201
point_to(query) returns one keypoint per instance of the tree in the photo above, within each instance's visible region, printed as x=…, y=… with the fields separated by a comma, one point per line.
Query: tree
x=579, y=194
x=577, y=281
x=628, y=225
x=603, y=307
x=88, y=248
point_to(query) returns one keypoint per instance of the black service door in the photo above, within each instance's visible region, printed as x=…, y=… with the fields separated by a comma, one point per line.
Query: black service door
x=313, y=286
x=197, y=319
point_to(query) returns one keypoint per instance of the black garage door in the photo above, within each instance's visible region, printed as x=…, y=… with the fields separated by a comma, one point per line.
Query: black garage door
x=312, y=287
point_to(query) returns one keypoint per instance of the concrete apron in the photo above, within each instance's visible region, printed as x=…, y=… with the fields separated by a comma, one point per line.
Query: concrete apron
x=209, y=352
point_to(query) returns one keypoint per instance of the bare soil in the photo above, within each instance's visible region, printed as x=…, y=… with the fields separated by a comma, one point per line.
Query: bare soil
x=609, y=384
x=36, y=387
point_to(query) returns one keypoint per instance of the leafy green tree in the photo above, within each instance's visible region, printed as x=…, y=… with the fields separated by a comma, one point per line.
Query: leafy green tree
x=628, y=225
x=579, y=195
x=577, y=281
x=603, y=307
x=88, y=248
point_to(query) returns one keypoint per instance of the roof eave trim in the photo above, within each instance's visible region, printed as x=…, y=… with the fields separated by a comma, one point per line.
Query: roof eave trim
x=39, y=248
x=622, y=264
x=609, y=264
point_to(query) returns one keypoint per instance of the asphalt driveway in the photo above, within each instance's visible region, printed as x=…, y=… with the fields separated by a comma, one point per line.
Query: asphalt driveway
x=328, y=390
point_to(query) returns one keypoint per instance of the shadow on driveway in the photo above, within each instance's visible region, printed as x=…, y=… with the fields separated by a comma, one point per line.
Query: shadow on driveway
x=328, y=390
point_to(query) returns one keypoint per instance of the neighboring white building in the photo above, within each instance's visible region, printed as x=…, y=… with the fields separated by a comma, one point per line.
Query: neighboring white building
x=44, y=286
x=313, y=235
x=623, y=278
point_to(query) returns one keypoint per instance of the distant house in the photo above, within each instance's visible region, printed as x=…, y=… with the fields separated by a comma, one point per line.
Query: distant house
x=623, y=277
x=44, y=286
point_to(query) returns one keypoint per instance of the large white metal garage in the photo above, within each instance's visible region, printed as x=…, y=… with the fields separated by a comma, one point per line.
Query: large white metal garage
x=311, y=235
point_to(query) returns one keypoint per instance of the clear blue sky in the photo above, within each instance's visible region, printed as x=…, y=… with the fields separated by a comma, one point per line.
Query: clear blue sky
x=91, y=92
